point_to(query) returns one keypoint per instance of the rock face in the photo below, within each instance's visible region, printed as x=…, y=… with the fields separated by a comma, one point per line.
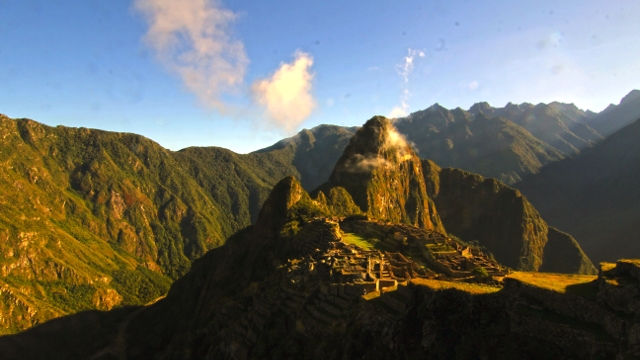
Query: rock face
x=383, y=175
x=502, y=220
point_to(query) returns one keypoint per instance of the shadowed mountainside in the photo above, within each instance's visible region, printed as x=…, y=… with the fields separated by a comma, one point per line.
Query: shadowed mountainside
x=491, y=146
x=503, y=221
x=595, y=196
x=615, y=117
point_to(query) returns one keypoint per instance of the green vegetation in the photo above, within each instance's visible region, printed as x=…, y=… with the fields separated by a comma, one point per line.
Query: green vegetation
x=366, y=244
x=556, y=282
x=84, y=210
x=480, y=273
x=140, y=286
x=502, y=222
x=471, y=288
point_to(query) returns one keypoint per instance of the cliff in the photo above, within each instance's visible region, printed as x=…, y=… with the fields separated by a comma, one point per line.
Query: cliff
x=502, y=220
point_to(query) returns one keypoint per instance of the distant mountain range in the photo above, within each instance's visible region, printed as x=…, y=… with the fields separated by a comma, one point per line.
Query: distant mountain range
x=507, y=144
x=615, y=117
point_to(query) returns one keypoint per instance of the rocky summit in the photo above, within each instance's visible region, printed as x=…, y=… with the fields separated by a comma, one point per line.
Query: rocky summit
x=384, y=177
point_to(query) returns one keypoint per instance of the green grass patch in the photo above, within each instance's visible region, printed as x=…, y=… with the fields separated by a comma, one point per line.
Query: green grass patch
x=471, y=288
x=439, y=248
x=553, y=281
x=359, y=241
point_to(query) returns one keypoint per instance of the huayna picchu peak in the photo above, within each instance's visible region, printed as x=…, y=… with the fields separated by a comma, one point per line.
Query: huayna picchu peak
x=384, y=177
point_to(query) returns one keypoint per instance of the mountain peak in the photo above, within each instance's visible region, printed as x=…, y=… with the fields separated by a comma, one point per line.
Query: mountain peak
x=479, y=107
x=633, y=95
x=376, y=144
x=383, y=175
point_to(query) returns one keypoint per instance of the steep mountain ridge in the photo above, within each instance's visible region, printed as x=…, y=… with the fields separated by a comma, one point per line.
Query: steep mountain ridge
x=314, y=152
x=502, y=220
x=96, y=219
x=383, y=175
x=492, y=146
x=554, y=123
x=481, y=143
x=615, y=117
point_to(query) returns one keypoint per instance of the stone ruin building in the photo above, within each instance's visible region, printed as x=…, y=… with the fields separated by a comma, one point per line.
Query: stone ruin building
x=351, y=270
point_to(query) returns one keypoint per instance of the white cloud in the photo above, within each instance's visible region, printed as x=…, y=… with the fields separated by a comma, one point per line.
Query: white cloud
x=399, y=111
x=286, y=95
x=394, y=141
x=405, y=68
x=192, y=40
x=473, y=85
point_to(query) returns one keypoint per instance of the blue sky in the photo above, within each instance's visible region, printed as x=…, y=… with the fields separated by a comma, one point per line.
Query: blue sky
x=243, y=74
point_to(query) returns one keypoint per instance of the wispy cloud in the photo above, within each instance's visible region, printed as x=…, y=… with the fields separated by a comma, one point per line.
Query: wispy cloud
x=286, y=95
x=191, y=38
x=393, y=142
x=404, y=69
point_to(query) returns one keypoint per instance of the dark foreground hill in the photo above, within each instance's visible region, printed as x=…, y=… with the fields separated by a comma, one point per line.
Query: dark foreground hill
x=311, y=298
x=596, y=196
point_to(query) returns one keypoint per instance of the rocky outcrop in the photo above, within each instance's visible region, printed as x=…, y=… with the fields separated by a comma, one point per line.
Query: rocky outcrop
x=502, y=220
x=383, y=175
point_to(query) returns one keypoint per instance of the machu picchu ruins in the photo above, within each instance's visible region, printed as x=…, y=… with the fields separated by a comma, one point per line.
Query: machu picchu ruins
x=397, y=253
